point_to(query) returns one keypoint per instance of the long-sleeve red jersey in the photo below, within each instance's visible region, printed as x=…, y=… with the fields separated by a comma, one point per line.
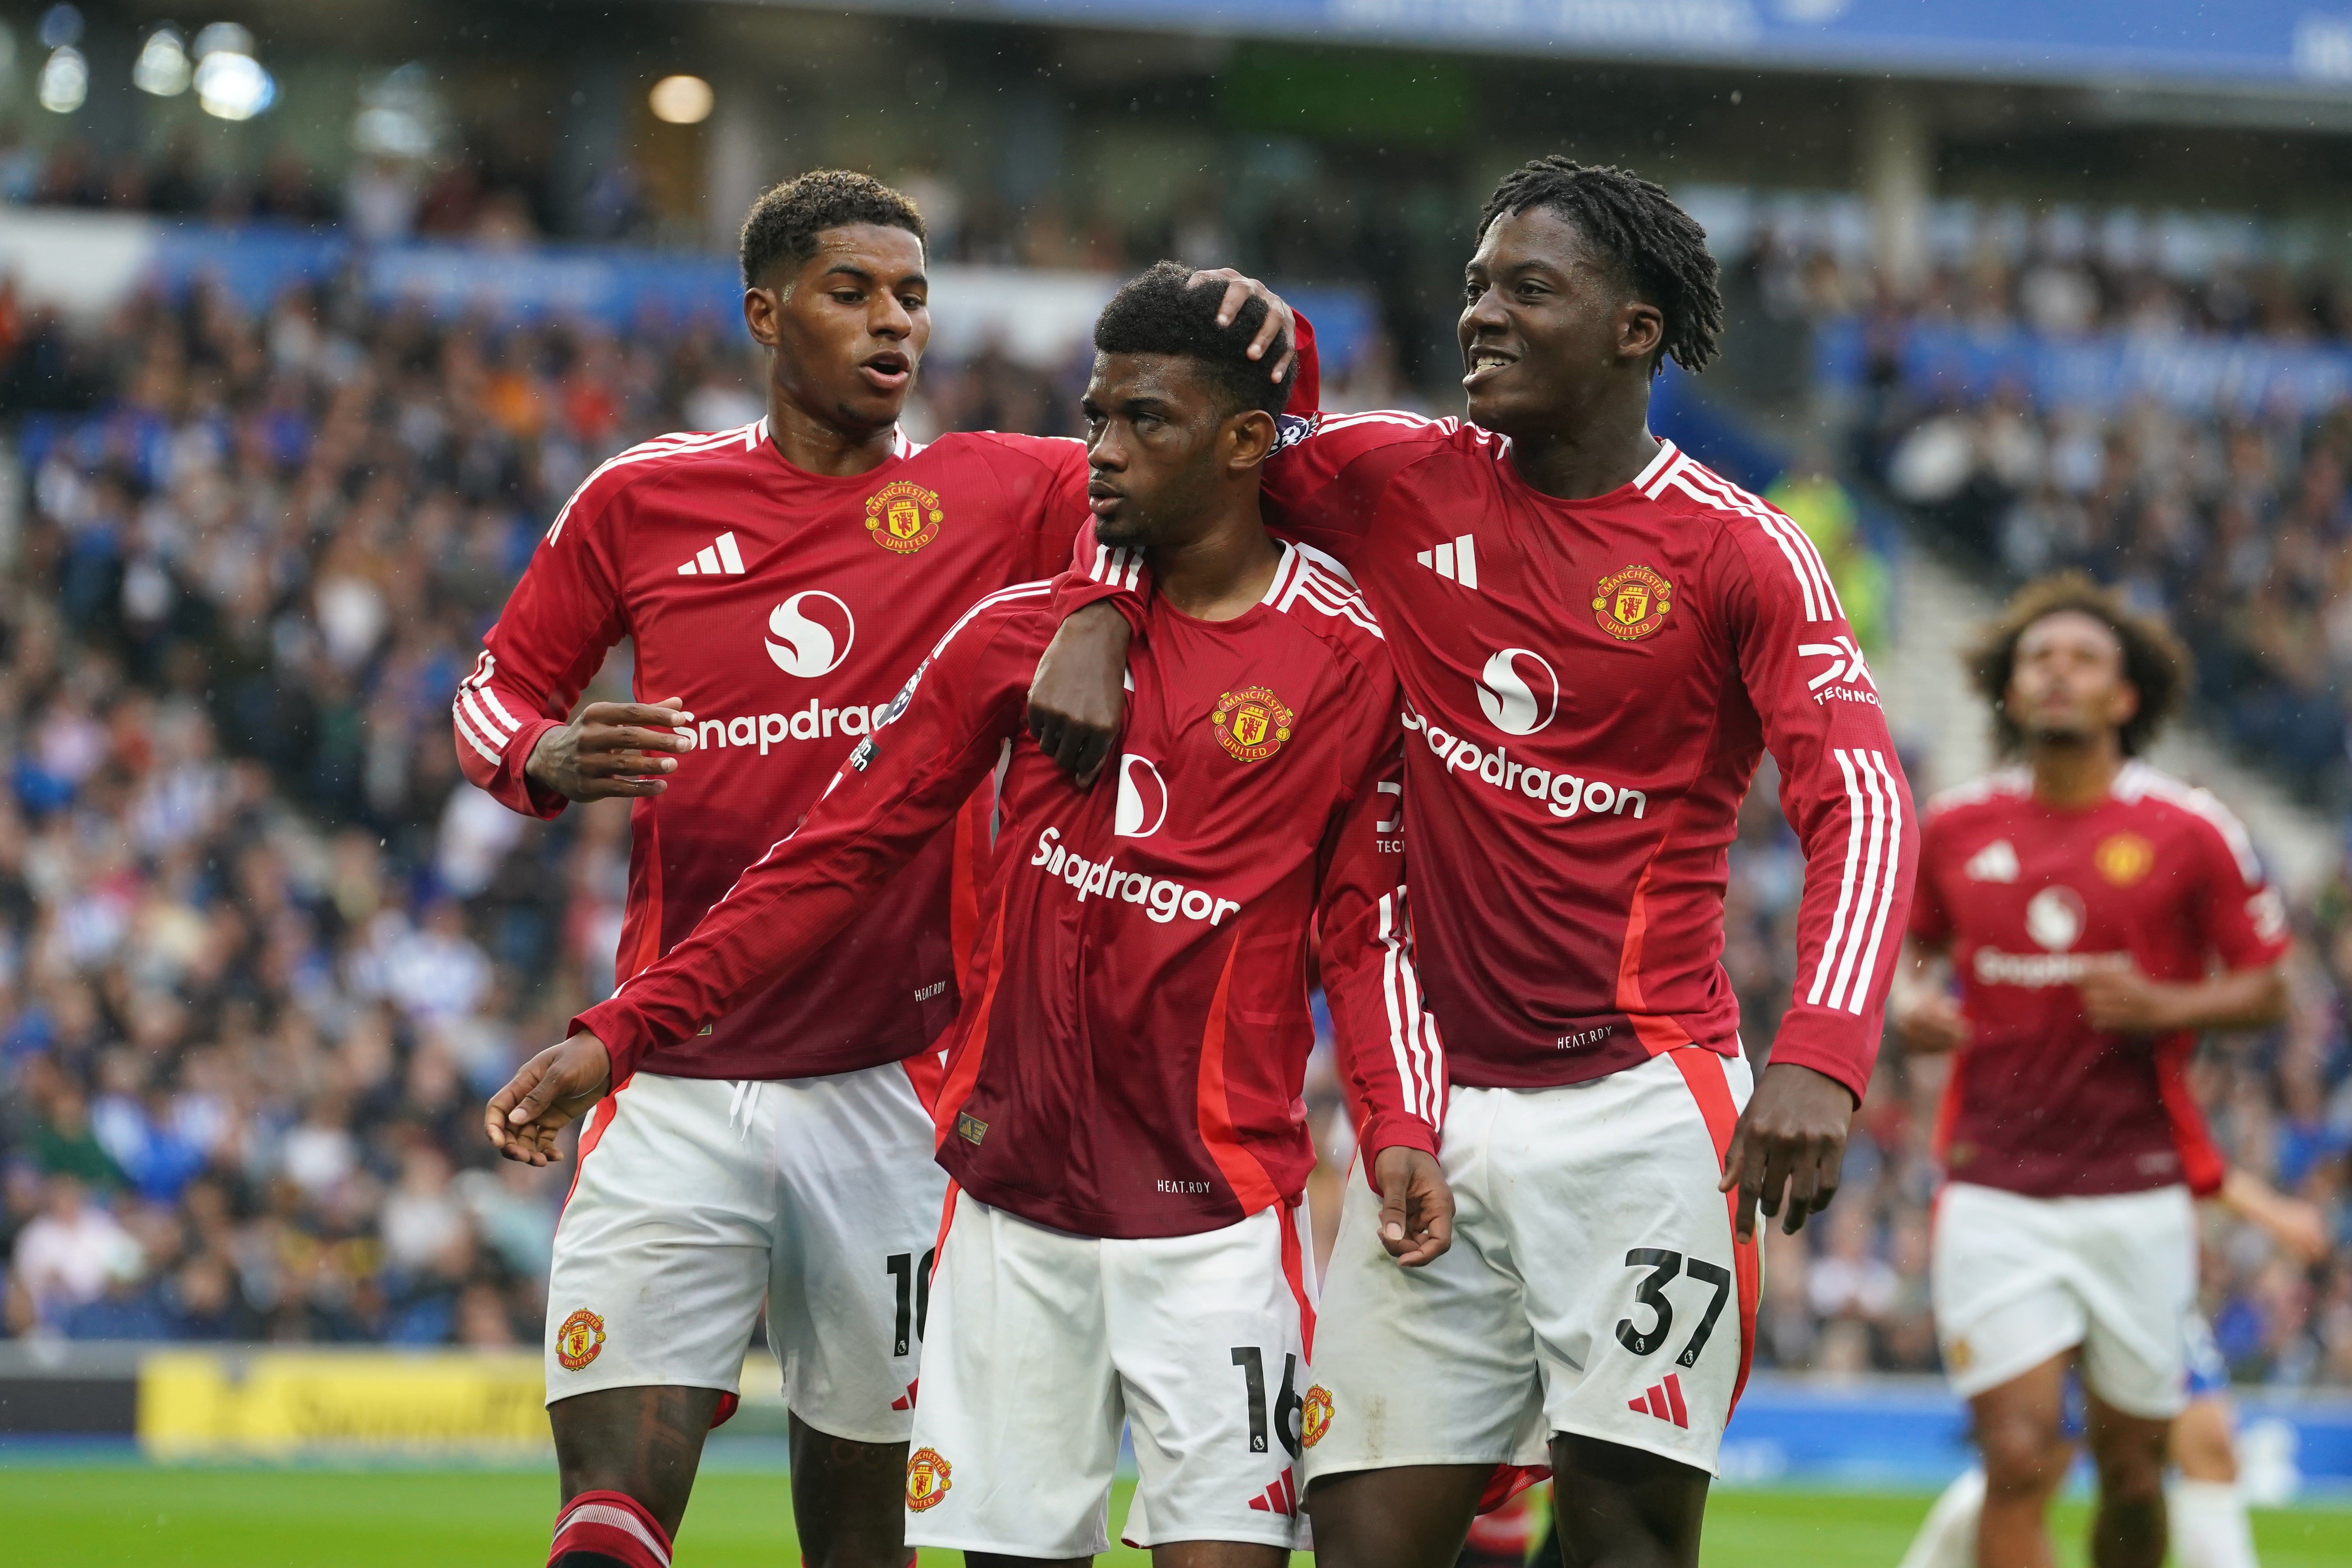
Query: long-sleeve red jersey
x=785, y=607
x=1135, y=1028
x=1590, y=685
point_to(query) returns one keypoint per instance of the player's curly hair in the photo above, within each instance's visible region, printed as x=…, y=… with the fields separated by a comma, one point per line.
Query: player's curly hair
x=786, y=220
x=2155, y=662
x=1160, y=311
x=1657, y=250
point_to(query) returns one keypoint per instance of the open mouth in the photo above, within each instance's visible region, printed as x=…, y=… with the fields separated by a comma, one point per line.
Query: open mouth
x=889, y=370
x=1485, y=363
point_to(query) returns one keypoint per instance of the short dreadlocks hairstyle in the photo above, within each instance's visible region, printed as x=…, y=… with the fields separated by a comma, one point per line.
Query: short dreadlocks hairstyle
x=1160, y=311
x=2154, y=662
x=783, y=224
x=1656, y=251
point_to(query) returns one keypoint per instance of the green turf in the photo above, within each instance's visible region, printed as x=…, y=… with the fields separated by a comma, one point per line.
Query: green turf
x=137, y=1518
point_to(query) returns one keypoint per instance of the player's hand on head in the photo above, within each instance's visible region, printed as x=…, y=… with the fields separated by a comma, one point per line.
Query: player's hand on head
x=1078, y=697
x=1416, y=1204
x=2126, y=1001
x=1787, y=1147
x=546, y=1094
x=613, y=748
x=1277, y=330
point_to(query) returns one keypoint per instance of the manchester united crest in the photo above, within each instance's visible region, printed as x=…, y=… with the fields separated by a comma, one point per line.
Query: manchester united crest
x=2123, y=858
x=927, y=1479
x=1315, y=1416
x=579, y=1341
x=1631, y=604
x=903, y=516
x=1252, y=723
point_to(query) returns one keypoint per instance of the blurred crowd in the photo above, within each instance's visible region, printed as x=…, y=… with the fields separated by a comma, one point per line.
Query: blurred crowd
x=262, y=953
x=2234, y=525
x=2237, y=530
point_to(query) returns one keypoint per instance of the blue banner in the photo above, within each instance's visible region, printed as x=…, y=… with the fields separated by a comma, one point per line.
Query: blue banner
x=622, y=288
x=2278, y=41
x=2193, y=374
x=1907, y=1432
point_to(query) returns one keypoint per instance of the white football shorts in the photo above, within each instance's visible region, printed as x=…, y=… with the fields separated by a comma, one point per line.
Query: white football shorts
x=2019, y=1279
x=1045, y=1344
x=695, y=1198
x=1592, y=1287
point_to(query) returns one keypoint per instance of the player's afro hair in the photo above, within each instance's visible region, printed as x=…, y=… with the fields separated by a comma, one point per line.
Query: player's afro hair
x=783, y=224
x=2154, y=662
x=1657, y=250
x=1162, y=312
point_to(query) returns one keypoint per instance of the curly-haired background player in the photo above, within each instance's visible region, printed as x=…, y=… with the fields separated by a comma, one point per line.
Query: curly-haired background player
x=2095, y=914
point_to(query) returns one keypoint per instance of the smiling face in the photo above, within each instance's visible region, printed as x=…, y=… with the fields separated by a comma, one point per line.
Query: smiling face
x=1159, y=443
x=847, y=327
x=1545, y=323
x=2067, y=683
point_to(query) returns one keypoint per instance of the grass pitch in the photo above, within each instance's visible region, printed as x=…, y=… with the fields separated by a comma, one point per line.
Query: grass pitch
x=138, y=1517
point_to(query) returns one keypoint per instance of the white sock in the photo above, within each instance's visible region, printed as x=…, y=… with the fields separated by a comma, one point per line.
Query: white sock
x=2209, y=1525
x=1947, y=1536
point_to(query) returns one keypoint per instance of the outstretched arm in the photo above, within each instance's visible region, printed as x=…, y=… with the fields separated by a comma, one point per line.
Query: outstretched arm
x=942, y=736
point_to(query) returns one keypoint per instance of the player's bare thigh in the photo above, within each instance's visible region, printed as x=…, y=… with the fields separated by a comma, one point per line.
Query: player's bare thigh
x=1612, y=1504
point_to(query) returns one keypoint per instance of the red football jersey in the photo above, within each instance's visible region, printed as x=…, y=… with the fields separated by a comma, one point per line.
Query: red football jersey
x=2030, y=899
x=1135, y=1027
x=1590, y=686
x=785, y=607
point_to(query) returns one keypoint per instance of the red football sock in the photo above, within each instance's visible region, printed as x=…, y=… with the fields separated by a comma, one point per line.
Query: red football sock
x=609, y=1525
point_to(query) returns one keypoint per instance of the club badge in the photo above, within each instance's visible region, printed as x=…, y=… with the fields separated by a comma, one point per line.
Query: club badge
x=579, y=1341
x=1315, y=1416
x=927, y=1479
x=1631, y=604
x=2123, y=858
x=903, y=516
x=1252, y=723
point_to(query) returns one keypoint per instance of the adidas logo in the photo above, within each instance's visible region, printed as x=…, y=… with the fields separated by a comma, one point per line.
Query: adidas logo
x=906, y=1400
x=1281, y=1497
x=1996, y=862
x=1663, y=1401
x=713, y=559
x=1456, y=560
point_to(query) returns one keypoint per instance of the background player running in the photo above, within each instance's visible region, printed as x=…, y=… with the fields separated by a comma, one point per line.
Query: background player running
x=2097, y=914
x=1119, y=1110
x=2205, y=1509
x=776, y=583
x=1597, y=638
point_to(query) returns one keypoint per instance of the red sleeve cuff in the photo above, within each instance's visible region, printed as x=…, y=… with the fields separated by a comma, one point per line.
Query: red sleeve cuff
x=1832, y=1044
x=1393, y=1130
x=623, y=1030
x=545, y=803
